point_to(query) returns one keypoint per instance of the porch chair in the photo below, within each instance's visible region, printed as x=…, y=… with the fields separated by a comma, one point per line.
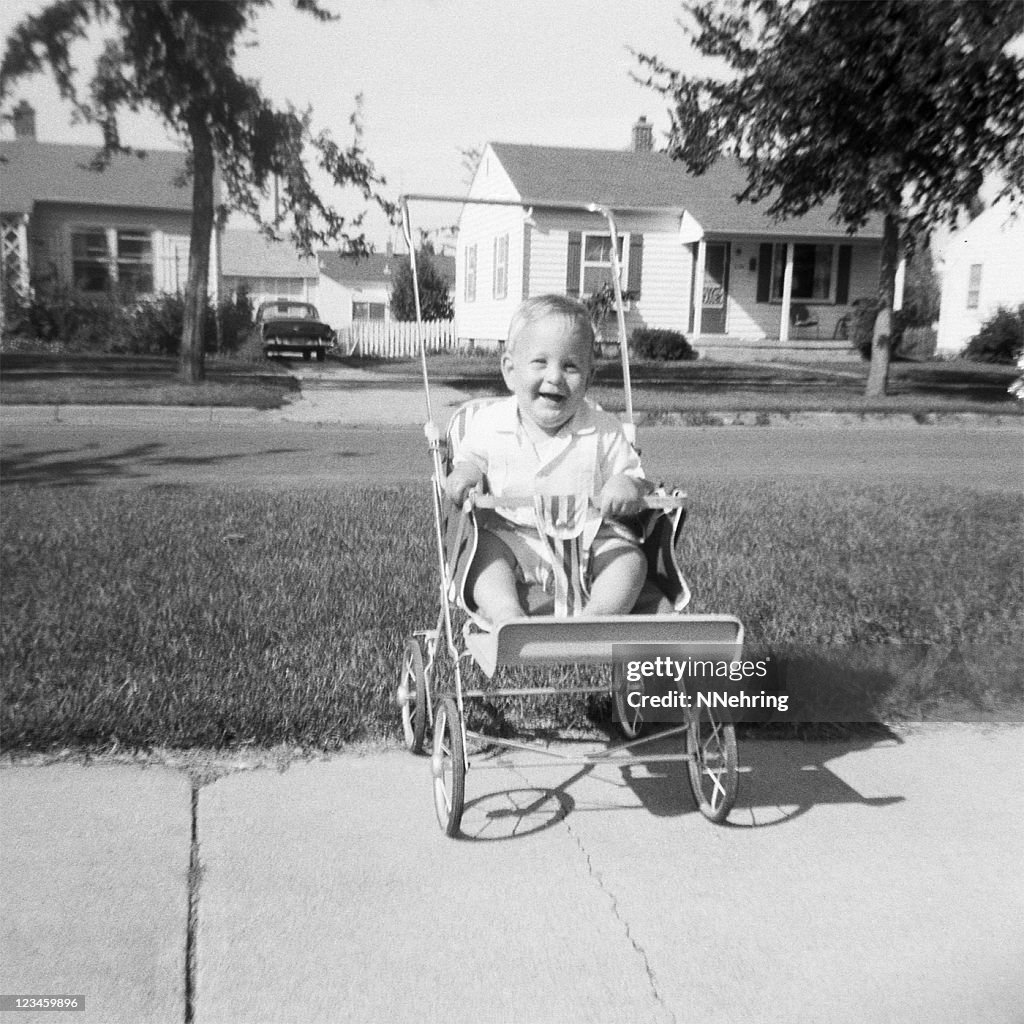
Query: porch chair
x=801, y=317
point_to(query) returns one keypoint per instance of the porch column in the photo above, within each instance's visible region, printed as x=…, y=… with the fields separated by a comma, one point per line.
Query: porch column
x=698, y=288
x=787, y=292
x=900, y=284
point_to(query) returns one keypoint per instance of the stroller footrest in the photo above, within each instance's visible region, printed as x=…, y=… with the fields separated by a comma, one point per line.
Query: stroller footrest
x=589, y=639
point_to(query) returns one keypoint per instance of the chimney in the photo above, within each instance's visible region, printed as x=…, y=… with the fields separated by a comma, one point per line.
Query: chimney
x=643, y=136
x=24, y=118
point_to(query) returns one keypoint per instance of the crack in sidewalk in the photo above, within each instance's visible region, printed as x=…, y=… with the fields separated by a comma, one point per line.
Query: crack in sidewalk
x=652, y=978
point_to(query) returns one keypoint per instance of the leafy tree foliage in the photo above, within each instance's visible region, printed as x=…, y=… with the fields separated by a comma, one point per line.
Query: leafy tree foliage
x=435, y=293
x=177, y=58
x=894, y=108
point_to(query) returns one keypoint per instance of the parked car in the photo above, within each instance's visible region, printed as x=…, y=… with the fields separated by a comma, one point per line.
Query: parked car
x=286, y=325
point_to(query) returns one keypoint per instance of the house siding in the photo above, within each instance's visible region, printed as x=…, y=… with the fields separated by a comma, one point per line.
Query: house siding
x=996, y=243
x=485, y=319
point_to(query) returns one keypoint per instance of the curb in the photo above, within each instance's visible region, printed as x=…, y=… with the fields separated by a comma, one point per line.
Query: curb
x=370, y=410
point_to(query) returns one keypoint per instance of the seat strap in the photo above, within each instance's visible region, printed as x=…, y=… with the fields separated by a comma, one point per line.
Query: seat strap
x=560, y=523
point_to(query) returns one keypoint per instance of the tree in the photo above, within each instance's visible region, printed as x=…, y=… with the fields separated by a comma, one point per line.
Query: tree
x=176, y=57
x=435, y=292
x=893, y=108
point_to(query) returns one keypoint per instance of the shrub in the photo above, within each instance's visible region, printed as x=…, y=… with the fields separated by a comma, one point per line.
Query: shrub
x=862, y=325
x=57, y=314
x=659, y=343
x=1001, y=338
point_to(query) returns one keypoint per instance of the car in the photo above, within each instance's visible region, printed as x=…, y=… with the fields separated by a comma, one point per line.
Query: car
x=288, y=325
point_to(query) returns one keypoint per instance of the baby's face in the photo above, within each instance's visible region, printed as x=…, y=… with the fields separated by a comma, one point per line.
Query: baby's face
x=549, y=373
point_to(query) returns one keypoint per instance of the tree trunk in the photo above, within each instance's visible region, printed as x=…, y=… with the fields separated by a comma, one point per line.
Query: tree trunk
x=881, y=339
x=190, y=366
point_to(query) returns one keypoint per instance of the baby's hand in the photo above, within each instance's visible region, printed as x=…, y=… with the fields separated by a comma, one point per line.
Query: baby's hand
x=622, y=496
x=461, y=480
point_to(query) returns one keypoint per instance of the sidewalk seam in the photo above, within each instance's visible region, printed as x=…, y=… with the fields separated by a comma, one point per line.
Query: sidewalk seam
x=195, y=874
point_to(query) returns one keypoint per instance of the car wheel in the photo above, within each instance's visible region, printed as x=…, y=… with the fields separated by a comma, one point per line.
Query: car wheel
x=306, y=354
x=321, y=355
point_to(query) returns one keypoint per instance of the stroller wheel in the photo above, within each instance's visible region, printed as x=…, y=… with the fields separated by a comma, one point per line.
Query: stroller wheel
x=412, y=697
x=713, y=765
x=631, y=720
x=448, y=766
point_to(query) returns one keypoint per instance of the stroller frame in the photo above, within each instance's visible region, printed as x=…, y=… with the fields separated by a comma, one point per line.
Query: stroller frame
x=709, y=741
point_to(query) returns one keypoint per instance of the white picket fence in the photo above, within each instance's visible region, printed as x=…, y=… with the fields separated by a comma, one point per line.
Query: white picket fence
x=396, y=340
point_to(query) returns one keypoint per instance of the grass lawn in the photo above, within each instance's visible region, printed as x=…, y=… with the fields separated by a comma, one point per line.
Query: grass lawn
x=183, y=617
x=665, y=387
x=82, y=379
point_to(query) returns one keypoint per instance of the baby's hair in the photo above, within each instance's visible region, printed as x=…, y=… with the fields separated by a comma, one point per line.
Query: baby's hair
x=541, y=307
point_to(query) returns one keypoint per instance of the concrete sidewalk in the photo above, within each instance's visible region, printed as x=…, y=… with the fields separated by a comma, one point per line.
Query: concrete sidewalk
x=865, y=880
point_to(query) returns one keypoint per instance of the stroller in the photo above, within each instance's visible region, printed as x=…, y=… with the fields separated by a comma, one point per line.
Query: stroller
x=433, y=702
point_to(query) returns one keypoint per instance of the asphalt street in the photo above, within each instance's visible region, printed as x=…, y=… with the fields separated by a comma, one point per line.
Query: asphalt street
x=269, y=453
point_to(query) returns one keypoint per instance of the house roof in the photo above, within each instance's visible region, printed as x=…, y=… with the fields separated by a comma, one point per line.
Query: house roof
x=33, y=172
x=378, y=268
x=250, y=254
x=624, y=179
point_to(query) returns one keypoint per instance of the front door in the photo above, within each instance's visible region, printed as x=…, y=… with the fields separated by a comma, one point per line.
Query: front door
x=716, y=288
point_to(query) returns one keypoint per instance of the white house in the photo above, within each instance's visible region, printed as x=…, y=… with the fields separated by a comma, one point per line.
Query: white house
x=983, y=269
x=357, y=289
x=124, y=227
x=697, y=261
x=266, y=269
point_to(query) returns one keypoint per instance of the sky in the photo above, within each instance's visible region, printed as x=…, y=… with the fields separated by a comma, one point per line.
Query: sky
x=436, y=77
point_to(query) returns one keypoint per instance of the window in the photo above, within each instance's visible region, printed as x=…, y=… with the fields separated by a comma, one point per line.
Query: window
x=974, y=286
x=501, y=266
x=104, y=257
x=471, y=273
x=135, y=262
x=90, y=261
x=814, y=275
x=597, y=262
x=365, y=312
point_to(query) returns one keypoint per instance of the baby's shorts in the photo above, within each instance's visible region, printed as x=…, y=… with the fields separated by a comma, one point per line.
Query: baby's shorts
x=530, y=552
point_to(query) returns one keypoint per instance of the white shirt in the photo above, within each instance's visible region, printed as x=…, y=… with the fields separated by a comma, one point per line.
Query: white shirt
x=579, y=460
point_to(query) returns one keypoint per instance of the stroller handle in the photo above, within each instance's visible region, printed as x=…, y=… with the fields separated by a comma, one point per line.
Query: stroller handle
x=527, y=500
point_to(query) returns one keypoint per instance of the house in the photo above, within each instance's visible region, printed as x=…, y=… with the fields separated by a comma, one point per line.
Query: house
x=126, y=226
x=357, y=289
x=693, y=258
x=982, y=269
x=266, y=269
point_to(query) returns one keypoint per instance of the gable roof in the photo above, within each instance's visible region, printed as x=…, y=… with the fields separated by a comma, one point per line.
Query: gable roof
x=251, y=254
x=34, y=172
x=377, y=268
x=624, y=179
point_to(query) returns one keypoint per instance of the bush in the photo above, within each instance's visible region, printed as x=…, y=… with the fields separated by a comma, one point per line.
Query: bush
x=1001, y=338
x=56, y=314
x=658, y=343
x=862, y=325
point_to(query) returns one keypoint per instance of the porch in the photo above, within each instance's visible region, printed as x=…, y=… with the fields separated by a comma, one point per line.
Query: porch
x=723, y=348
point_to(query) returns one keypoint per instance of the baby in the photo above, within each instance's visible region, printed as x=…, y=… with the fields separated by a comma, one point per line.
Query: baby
x=548, y=439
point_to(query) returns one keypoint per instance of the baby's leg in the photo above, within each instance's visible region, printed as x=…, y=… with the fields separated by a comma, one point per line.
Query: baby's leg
x=619, y=574
x=492, y=580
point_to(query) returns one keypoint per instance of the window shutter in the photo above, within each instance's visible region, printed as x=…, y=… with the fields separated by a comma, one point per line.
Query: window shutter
x=843, y=274
x=764, y=271
x=636, y=264
x=572, y=269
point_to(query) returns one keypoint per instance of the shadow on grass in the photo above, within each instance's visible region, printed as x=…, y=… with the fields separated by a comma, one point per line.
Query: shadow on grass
x=84, y=467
